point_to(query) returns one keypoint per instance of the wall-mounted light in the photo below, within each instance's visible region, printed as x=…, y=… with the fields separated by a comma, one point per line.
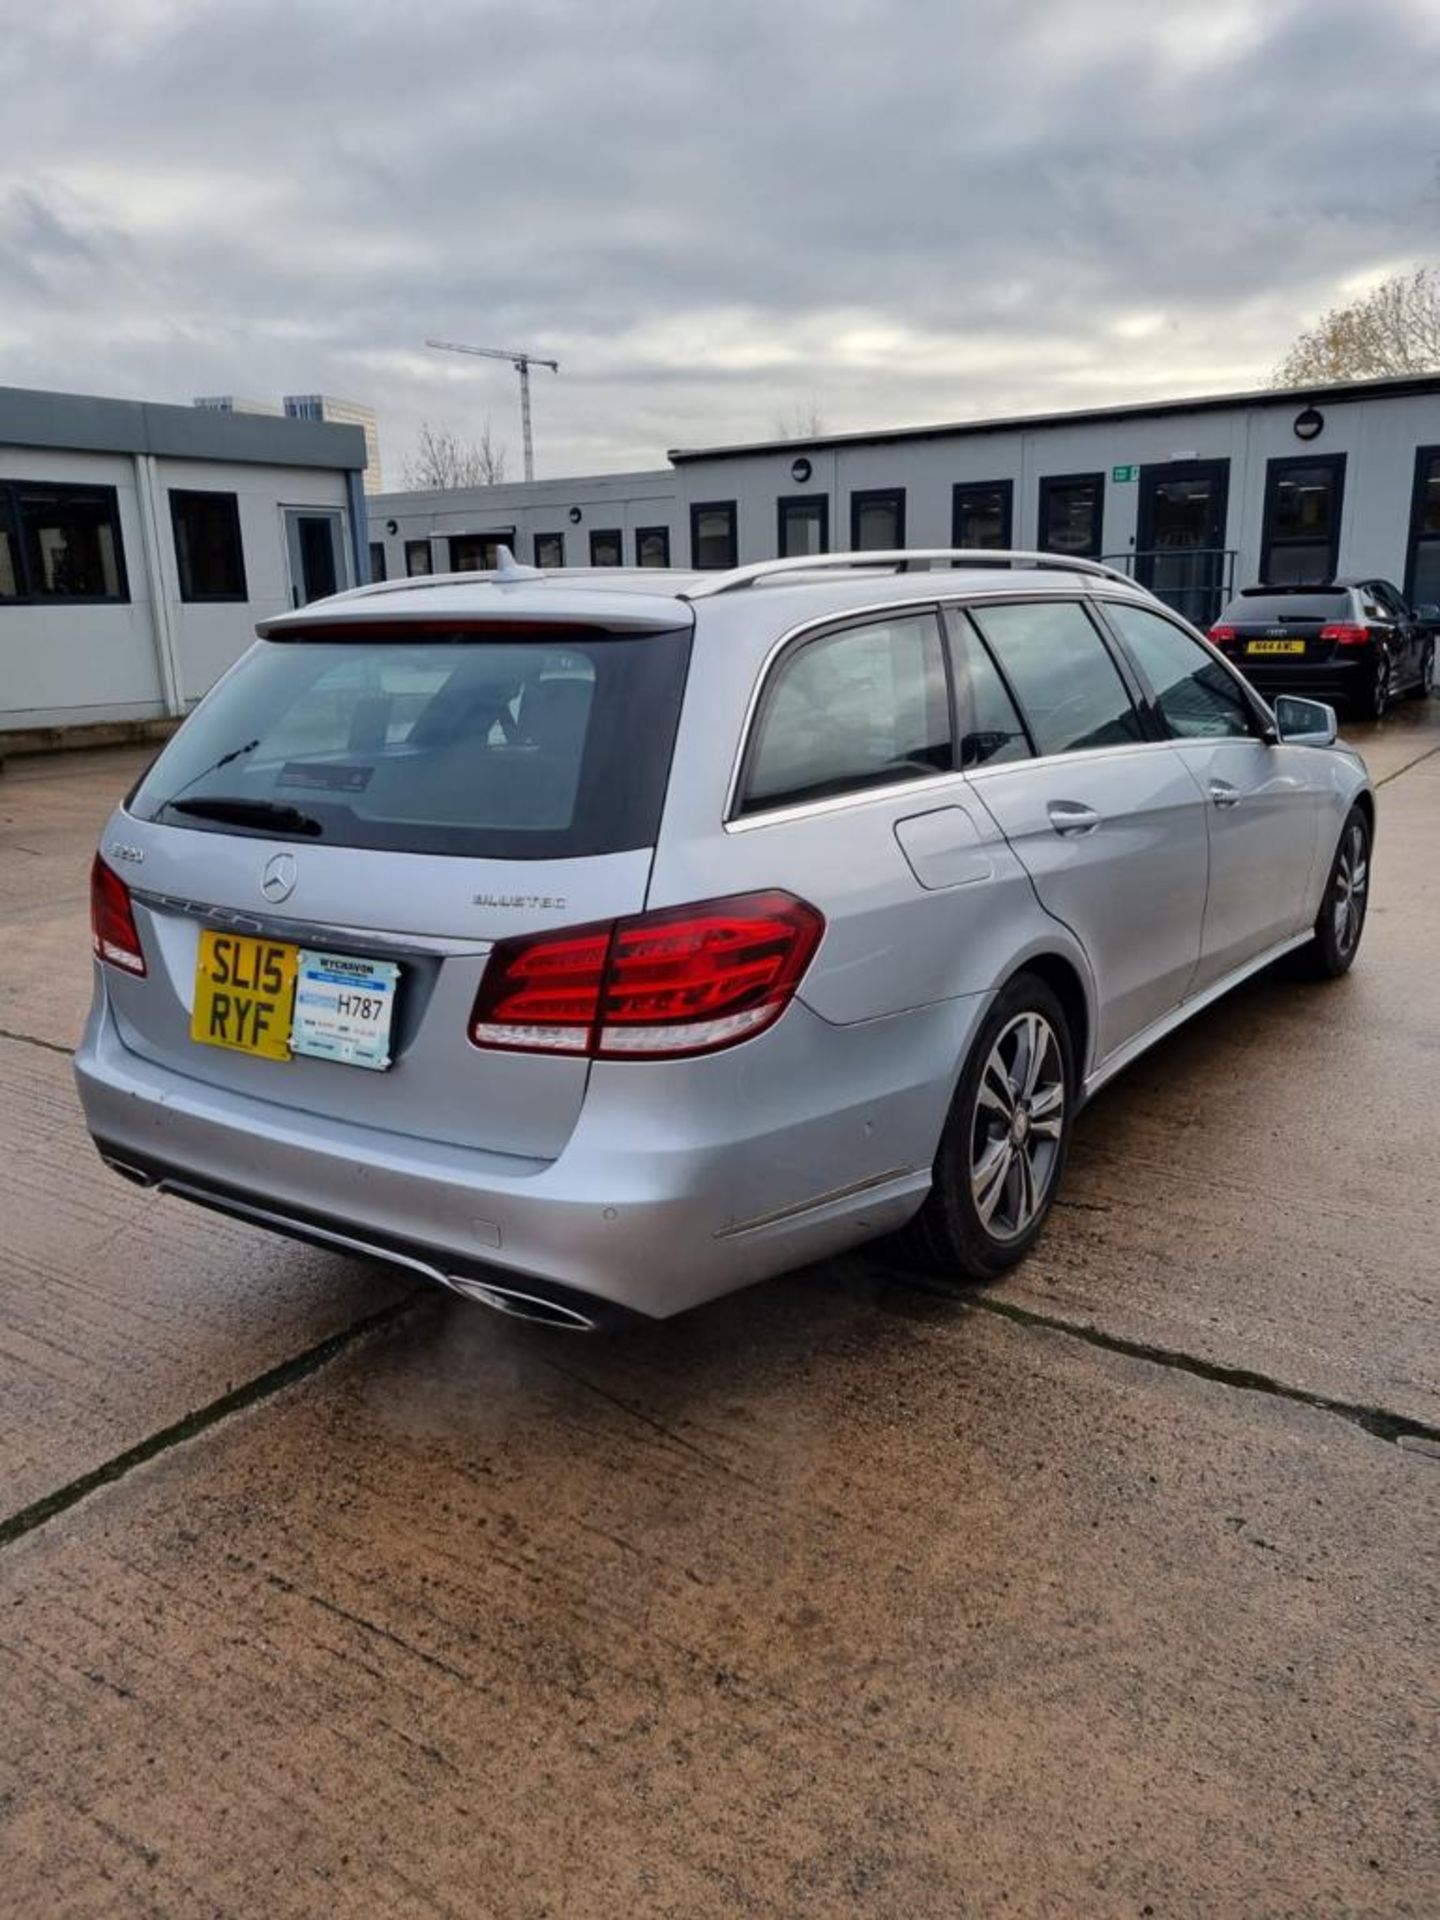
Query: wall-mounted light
x=800, y=470
x=1309, y=423
x=575, y=516
x=392, y=526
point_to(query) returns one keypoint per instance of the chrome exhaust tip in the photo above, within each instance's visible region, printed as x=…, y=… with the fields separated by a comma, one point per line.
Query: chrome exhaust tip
x=126, y=1172
x=520, y=1306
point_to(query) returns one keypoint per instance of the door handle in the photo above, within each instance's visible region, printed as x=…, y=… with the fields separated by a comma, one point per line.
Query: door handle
x=1223, y=794
x=1069, y=817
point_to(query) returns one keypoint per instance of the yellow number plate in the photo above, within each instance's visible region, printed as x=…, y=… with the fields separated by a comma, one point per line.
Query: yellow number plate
x=1276, y=646
x=244, y=994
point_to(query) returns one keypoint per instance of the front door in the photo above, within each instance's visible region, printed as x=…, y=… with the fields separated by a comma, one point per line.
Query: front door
x=315, y=549
x=1261, y=797
x=1180, y=536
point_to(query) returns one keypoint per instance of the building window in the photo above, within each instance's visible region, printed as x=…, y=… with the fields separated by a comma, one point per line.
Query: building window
x=1422, y=567
x=377, y=559
x=802, y=524
x=10, y=575
x=1072, y=514
x=607, y=548
x=713, y=538
x=417, y=558
x=208, y=554
x=549, y=549
x=1301, y=536
x=982, y=513
x=60, y=543
x=652, y=546
x=479, y=552
x=877, y=520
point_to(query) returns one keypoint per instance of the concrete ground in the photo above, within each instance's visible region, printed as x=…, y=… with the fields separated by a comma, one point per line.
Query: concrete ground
x=1112, y=1593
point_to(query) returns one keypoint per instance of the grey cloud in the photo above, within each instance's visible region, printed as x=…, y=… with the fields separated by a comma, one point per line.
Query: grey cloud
x=295, y=196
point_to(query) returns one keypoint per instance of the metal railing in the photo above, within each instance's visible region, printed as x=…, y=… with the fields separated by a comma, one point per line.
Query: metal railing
x=1196, y=581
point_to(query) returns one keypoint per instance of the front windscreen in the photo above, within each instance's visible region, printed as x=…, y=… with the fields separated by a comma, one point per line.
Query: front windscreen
x=541, y=746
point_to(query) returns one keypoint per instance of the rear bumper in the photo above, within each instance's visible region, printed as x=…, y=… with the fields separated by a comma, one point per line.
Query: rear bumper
x=682, y=1180
x=1338, y=681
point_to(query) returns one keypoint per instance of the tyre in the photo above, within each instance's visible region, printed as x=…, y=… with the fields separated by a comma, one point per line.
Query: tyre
x=1341, y=919
x=1002, y=1153
x=1421, y=689
x=1378, y=703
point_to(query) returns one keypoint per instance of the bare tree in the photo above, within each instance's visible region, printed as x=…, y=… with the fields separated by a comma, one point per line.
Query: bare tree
x=801, y=420
x=443, y=460
x=1395, y=328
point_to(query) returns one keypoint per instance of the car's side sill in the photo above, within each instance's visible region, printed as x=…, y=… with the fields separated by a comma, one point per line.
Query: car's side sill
x=1159, y=1029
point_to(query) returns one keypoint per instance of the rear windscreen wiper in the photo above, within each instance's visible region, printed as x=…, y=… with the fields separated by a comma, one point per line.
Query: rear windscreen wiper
x=270, y=814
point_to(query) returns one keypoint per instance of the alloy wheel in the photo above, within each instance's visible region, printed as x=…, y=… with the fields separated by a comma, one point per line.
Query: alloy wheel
x=1351, y=885
x=1019, y=1119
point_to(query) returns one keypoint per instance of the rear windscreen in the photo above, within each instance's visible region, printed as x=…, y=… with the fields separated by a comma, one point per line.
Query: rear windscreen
x=541, y=747
x=1273, y=608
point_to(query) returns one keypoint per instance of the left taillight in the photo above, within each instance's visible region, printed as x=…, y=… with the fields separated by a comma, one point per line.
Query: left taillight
x=113, y=933
x=682, y=980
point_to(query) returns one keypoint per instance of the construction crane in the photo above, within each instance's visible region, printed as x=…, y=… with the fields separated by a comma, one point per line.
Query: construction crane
x=522, y=363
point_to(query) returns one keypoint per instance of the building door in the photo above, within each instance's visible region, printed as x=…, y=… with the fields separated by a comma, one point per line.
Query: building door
x=1180, y=536
x=315, y=549
x=1422, y=565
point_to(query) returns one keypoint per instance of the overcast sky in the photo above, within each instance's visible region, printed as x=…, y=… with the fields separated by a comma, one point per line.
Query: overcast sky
x=710, y=211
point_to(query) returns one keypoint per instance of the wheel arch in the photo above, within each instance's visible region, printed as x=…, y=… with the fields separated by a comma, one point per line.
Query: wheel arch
x=1065, y=981
x=1365, y=801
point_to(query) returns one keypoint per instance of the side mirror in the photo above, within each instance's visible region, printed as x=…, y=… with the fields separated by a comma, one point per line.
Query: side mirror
x=1305, y=723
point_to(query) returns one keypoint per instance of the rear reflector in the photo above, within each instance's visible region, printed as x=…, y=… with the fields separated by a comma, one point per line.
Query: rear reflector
x=680, y=981
x=1346, y=635
x=113, y=933
x=1223, y=633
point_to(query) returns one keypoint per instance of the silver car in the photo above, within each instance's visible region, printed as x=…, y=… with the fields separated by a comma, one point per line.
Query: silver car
x=596, y=942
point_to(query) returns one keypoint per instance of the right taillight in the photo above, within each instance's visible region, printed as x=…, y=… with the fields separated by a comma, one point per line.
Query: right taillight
x=1345, y=634
x=113, y=933
x=682, y=980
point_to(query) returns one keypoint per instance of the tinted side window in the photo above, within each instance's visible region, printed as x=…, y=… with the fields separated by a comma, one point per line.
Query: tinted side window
x=1063, y=676
x=991, y=731
x=859, y=708
x=1198, y=699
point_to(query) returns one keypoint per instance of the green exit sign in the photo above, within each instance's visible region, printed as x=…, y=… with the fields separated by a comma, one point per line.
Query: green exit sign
x=1124, y=473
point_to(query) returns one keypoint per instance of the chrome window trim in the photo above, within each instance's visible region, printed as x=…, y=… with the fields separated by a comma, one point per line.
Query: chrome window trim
x=1005, y=593
x=835, y=802
x=274, y=926
x=1122, y=749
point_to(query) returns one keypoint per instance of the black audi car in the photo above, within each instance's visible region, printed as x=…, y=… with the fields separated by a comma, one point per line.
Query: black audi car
x=1355, y=643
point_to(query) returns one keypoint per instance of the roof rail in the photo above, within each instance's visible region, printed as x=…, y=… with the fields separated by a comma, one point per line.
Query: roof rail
x=902, y=560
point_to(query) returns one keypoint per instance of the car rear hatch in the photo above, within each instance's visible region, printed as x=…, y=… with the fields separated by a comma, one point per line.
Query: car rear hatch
x=350, y=819
x=1285, y=627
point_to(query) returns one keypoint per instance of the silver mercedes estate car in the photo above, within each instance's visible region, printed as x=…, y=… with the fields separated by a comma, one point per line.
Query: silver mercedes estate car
x=597, y=942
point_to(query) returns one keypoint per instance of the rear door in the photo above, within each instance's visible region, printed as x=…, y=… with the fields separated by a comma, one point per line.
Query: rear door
x=1262, y=806
x=397, y=797
x=1107, y=820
